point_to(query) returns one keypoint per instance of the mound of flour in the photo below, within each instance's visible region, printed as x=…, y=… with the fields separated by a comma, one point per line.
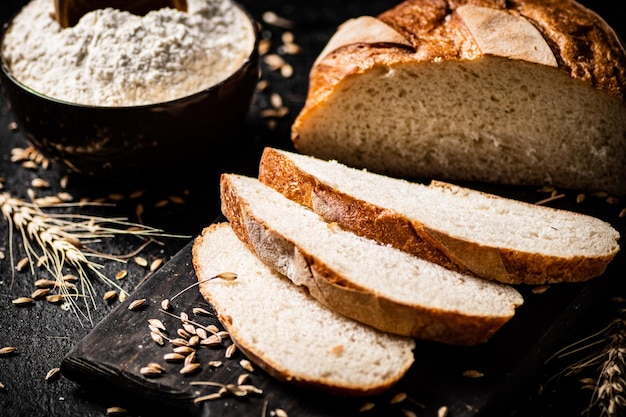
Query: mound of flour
x=114, y=58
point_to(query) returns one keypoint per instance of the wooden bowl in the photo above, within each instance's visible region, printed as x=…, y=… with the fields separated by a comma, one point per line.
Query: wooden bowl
x=137, y=142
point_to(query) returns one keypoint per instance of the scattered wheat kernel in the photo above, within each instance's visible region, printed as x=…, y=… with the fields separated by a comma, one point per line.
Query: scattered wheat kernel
x=442, y=411
x=262, y=85
x=215, y=364
x=65, y=196
x=287, y=37
x=13, y=126
x=1, y=255
x=156, y=366
x=227, y=276
x=161, y=204
x=398, y=398
x=202, y=334
x=230, y=351
x=247, y=365
x=211, y=341
x=39, y=183
x=276, y=100
x=473, y=373
x=622, y=213
x=367, y=407
x=183, y=350
x=149, y=371
x=580, y=198
x=23, y=301
x=189, y=328
x=212, y=328
x=408, y=413
x=122, y=274
x=274, y=61
x=70, y=278
x=176, y=199
x=191, y=358
x=264, y=46
x=39, y=293
x=286, y=71
x=21, y=265
x=184, y=317
x=165, y=304
x=201, y=312
x=279, y=412
x=190, y=369
x=122, y=296
x=183, y=333
x=8, y=350
x=612, y=200
x=137, y=304
x=2, y=387
x=55, y=298
x=141, y=261
x=290, y=49
x=32, y=165
x=193, y=341
x=53, y=374
x=156, y=264
x=45, y=283
x=179, y=342
x=222, y=334
x=116, y=197
x=540, y=289
x=272, y=18
x=116, y=411
x=109, y=295
x=157, y=323
x=137, y=194
x=173, y=357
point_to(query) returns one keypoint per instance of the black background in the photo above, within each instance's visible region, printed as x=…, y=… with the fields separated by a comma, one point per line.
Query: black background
x=44, y=333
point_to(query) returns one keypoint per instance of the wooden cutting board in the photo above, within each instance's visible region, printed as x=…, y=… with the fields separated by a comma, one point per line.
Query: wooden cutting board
x=113, y=353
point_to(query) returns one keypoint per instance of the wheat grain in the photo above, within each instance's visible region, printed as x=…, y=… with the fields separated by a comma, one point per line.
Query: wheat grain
x=53, y=374
x=8, y=351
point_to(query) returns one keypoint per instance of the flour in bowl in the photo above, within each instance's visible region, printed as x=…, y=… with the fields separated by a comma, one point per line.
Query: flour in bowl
x=114, y=58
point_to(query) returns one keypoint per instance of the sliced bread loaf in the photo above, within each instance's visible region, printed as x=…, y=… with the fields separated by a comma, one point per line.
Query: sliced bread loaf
x=374, y=284
x=517, y=92
x=462, y=229
x=288, y=333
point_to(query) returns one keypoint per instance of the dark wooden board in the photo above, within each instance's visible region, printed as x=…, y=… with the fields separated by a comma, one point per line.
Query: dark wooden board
x=115, y=350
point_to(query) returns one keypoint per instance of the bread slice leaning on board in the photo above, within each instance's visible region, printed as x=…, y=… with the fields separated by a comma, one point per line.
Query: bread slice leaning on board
x=288, y=333
x=462, y=229
x=514, y=92
x=375, y=284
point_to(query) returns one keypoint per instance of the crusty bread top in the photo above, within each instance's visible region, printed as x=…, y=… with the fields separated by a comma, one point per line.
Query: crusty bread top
x=524, y=93
x=583, y=43
x=287, y=332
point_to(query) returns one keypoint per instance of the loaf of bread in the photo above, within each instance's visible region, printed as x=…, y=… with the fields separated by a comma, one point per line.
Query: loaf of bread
x=288, y=333
x=371, y=283
x=514, y=92
x=462, y=229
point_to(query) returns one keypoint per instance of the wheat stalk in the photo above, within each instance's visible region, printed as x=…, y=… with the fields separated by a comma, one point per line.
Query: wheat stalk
x=60, y=241
x=607, y=359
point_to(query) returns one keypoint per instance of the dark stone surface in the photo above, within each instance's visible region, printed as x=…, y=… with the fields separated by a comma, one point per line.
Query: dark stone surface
x=43, y=334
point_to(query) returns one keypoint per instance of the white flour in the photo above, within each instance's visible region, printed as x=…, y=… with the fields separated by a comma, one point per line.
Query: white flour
x=114, y=58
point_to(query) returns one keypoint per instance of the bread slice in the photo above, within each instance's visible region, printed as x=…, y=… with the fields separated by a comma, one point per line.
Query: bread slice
x=516, y=92
x=375, y=284
x=462, y=229
x=287, y=332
